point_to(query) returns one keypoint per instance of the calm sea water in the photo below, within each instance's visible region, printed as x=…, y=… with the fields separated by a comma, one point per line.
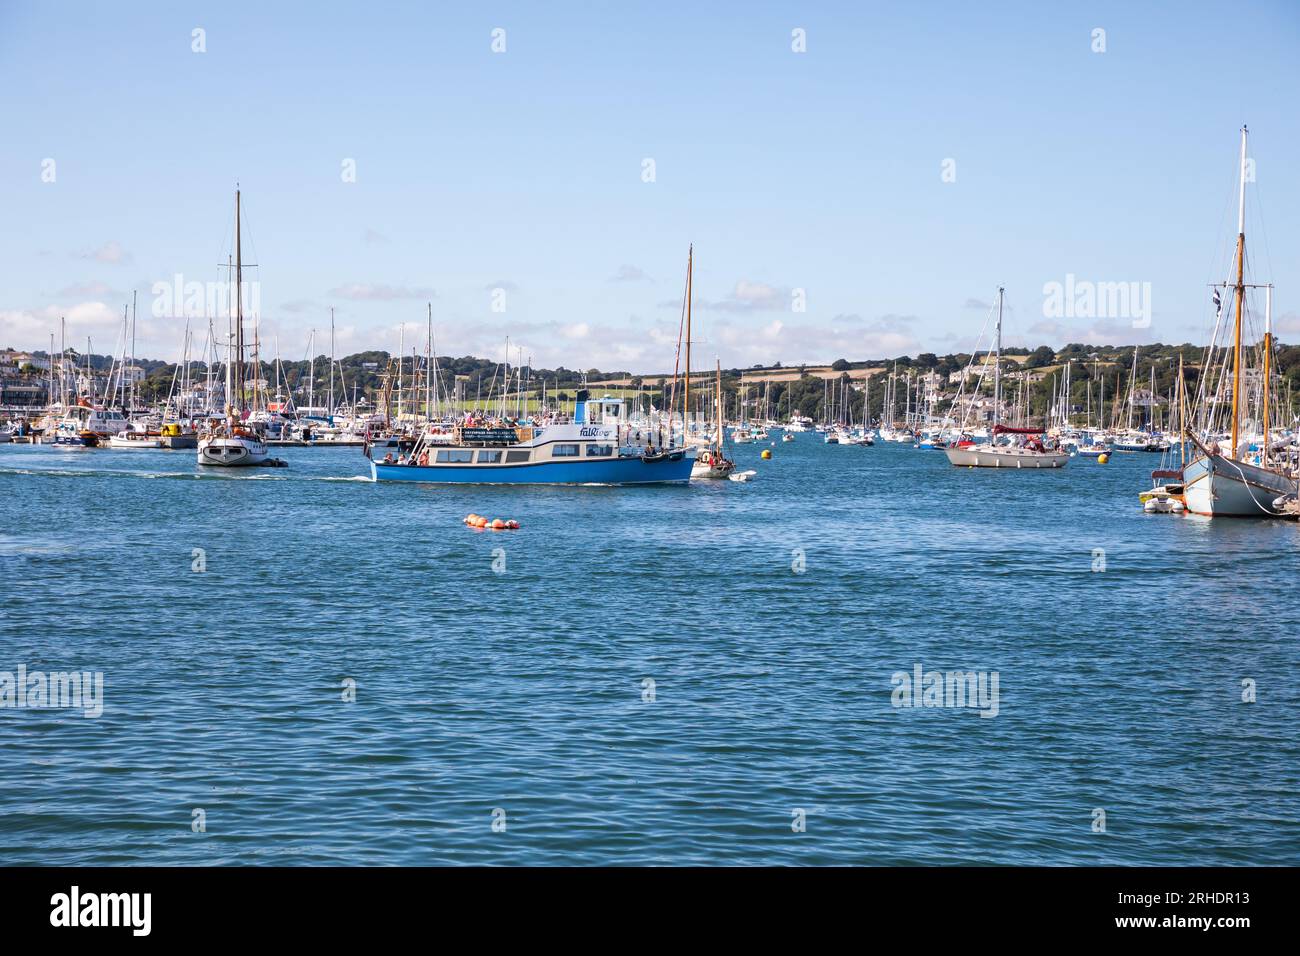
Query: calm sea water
x=526, y=691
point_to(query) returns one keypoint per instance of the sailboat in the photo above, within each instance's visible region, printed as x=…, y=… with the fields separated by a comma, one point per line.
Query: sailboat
x=1233, y=480
x=710, y=462
x=1035, y=452
x=230, y=442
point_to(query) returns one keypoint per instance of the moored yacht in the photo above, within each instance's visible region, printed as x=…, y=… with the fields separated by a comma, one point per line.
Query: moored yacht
x=1034, y=450
x=230, y=442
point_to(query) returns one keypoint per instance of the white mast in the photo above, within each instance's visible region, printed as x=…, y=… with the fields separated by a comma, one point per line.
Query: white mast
x=997, y=362
x=1241, y=292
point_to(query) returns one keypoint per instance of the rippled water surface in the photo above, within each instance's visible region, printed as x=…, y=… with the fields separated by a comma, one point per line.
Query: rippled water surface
x=1119, y=690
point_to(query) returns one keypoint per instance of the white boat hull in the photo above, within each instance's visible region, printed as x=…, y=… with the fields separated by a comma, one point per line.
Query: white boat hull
x=701, y=470
x=231, y=452
x=1217, y=486
x=990, y=456
x=122, y=441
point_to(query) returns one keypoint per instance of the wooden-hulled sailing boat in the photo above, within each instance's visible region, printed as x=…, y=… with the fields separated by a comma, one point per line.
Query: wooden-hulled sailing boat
x=1034, y=453
x=710, y=462
x=1233, y=481
x=230, y=442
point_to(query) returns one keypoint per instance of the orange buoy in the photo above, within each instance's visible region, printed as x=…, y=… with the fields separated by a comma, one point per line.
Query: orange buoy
x=498, y=525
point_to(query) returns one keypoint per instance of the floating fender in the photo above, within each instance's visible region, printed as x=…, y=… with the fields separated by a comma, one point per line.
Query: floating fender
x=491, y=524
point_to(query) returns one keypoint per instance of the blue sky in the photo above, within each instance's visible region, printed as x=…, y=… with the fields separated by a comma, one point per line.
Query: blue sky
x=523, y=170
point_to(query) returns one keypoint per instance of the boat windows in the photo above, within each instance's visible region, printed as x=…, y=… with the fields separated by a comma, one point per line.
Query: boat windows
x=489, y=457
x=455, y=456
x=516, y=457
x=599, y=451
x=564, y=451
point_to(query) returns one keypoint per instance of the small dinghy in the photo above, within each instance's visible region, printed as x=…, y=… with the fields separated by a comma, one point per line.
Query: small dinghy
x=743, y=475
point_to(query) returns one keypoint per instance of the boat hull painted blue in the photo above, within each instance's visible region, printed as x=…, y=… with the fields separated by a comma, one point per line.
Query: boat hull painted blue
x=608, y=471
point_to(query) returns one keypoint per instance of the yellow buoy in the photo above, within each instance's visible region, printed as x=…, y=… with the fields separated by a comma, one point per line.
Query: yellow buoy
x=1102, y=459
x=767, y=453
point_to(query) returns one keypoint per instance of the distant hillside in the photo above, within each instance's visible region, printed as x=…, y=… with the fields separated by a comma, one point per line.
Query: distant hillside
x=805, y=388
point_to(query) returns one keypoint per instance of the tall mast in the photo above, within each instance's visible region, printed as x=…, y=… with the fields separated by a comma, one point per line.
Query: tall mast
x=331, y=408
x=239, y=315
x=311, y=370
x=230, y=355
x=1182, y=416
x=134, y=384
x=1151, y=400
x=1241, y=294
x=1268, y=365
x=1132, y=387
x=717, y=442
x=686, y=393
x=997, y=362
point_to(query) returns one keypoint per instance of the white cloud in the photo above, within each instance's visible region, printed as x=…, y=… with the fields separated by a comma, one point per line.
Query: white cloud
x=751, y=296
x=370, y=292
x=629, y=273
x=110, y=252
x=982, y=306
x=1097, y=332
x=99, y=290
x=27, y=328
x=845, y=336
x=1288, y=323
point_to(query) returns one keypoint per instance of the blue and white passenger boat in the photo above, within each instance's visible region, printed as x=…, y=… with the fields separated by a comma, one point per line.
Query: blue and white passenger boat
x=600, y=446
